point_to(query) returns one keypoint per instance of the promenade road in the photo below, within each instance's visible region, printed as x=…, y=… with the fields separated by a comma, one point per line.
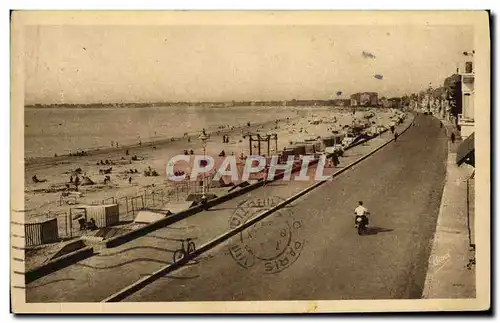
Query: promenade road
x=98, y=277
x=401, y=185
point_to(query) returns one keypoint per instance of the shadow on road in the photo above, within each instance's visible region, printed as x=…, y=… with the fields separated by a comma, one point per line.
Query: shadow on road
x=375, y=230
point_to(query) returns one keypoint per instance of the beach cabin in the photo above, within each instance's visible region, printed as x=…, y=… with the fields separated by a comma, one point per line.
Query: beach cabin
x=103, y=215
x=333, y=140
x=41, y=232
x=333, y=143
x=296, y=150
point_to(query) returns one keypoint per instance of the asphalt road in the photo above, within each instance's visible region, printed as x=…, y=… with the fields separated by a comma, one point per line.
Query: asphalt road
x=311, y=250
x=96, y=277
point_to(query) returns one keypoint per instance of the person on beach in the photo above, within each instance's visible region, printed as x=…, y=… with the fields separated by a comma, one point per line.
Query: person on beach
x=77, y=182
x=396, y=136
x=265, y=174
x=452, y=137
x=130, y=180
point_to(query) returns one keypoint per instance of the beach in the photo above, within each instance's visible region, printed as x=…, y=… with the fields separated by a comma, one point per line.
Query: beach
x=43, y=199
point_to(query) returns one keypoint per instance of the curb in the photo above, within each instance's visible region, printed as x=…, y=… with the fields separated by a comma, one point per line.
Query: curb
x=127, y=291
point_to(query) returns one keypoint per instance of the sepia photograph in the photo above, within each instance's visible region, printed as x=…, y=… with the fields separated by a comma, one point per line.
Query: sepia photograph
x=250, y=162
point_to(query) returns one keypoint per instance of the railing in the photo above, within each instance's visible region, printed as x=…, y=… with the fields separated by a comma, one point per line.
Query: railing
x=462, y=119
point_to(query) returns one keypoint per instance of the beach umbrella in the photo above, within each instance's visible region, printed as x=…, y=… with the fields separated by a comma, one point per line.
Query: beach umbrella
x=379, y=77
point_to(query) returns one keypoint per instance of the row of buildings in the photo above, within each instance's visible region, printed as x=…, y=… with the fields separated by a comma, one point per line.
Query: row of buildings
x=369, y=99
x=454, y=101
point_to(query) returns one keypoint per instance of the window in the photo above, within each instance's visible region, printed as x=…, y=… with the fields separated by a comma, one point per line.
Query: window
x=468, y=106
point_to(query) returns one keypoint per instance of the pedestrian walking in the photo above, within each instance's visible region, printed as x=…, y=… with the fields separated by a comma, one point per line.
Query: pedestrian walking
x=335, y=159
x=452, y=138
x=441, y=124
x=396, y=136
x=265, y=174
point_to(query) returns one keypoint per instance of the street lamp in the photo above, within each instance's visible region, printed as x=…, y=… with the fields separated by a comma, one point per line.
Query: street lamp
x=204, y=139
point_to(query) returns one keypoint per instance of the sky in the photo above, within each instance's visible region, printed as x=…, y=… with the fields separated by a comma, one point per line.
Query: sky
x=89, y=64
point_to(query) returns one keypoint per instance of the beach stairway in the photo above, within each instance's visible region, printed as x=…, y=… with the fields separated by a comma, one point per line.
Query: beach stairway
x=66, y=248
x=101, y=234
x=150, y=216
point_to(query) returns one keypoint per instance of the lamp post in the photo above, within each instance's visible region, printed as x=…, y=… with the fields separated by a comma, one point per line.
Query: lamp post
x=203, y=139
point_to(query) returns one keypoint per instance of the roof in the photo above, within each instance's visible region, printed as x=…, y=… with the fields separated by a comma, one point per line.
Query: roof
x=465, y=150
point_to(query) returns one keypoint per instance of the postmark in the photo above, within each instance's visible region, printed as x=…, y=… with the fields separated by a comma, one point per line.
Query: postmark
x=270, y=245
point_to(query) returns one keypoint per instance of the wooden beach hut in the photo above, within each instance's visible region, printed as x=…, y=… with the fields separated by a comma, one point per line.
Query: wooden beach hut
x=105, y=215
x=41, y=232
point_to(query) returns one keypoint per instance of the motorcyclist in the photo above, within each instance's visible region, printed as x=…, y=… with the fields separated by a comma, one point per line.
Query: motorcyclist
x=361, y=211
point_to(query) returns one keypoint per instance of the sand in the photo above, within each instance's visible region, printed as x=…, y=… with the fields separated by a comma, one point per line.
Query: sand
x=44, y=198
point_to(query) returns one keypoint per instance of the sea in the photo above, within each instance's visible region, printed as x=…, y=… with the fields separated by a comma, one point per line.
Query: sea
x=50, y=131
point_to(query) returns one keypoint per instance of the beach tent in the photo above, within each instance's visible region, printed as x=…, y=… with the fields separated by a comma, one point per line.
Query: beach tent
x=86, y=181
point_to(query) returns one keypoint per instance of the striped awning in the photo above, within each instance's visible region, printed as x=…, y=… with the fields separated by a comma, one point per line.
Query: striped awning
x=465, y=150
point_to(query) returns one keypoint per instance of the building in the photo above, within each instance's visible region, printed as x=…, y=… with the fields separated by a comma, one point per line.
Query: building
x=364, y=99
x=395, y=103
x=384, y=103
x=466, y=118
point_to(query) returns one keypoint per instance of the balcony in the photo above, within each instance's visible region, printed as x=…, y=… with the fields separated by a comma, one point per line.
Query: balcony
x=465, y=120
x=466, y=126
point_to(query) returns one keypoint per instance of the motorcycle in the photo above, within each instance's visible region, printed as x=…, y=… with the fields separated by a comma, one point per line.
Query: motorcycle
x=361, y=223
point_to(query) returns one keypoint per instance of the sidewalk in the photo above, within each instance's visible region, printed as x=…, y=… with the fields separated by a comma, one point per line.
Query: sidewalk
x=448, y=275
x=107, y=272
